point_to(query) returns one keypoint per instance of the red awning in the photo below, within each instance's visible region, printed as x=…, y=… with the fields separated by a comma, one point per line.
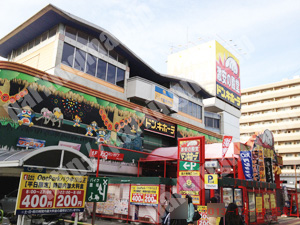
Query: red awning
x=212, y=151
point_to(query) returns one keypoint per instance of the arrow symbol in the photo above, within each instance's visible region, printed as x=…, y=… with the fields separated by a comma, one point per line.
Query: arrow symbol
x=186, y=165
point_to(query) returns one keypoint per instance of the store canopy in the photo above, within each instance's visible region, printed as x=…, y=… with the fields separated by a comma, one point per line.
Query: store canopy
x=212, y=151
x=52, y=157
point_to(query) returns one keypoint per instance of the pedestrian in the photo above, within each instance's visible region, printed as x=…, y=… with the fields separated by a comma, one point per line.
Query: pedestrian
x=232, y=216
x=191, y=210
x=213, y=220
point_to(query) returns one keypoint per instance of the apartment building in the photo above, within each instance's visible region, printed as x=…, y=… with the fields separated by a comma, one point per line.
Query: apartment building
x=275, y=107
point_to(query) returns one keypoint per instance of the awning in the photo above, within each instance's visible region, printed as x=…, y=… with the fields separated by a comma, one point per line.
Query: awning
x=212, y=151
x=51, y=157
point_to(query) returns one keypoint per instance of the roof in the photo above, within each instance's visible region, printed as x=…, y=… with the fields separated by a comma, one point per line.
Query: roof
x=212, y=151
x=51, y=157
x=50, y=16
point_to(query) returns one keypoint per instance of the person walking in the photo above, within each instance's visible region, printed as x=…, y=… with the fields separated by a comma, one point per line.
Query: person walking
x=232, y=216
x=191, y=210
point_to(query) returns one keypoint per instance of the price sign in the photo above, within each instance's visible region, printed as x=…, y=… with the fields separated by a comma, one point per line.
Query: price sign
x=41, y=193
x=144, y=195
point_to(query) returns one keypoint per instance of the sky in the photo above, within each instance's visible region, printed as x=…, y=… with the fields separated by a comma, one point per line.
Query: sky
x=263, y=35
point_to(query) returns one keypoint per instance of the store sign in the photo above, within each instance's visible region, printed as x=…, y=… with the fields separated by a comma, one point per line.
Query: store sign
x=189, y=165
x=50, y=193
x=160, y=127
x=258, y=163
x=144, y=195
x=70, y=145
x=189, y=150
x=246, y=159
x=258, y=200
x=228, y=77
x=97, y=189
x=211, y=181
x=225, y=145
x=163, y=96
x=204, y=217
x=268, y=170
x=189, y=182
x=31, y=143
x=94, y=153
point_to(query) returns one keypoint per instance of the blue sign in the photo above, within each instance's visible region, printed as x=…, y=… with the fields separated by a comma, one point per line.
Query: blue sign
x=30, y=143
x=246, y=159
x=163, y=96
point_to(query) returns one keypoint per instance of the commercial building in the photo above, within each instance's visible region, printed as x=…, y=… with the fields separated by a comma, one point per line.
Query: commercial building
x=218, y=71
x=276, y=107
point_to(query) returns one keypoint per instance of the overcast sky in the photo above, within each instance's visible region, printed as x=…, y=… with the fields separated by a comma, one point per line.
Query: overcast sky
x=265, y=35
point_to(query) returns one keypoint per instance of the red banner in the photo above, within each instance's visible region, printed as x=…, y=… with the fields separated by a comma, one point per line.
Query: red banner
x=225, y=145
x=106, y=155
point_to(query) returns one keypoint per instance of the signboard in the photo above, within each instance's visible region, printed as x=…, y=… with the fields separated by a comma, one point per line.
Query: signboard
x=41, y=193
x=94, y=153
x=189, y=182
x=144, y=195
x=70, y=145
x=97, y=189
x=246, y=159
x=273, y=201
x=268, y=170
x=211, y=181
x=159, y=127
x=30, y=143
x=163, y=96
x=225, y=145
x=189, y=150
x=227, y=76
x=188, y=165
x=203, y=212
x=258, y=204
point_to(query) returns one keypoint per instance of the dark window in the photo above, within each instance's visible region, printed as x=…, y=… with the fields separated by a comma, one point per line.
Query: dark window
x=121, y=59
x=91, y=64
x=38, y=40
x=111, y=74
x=45, y=36
x=183, y=105
x=120, y=77
x=195, y=110
x=31, y=44
x=93, y=43
x=52, y=32
x=71, y=33
x=216, y=123
x=68, y=55
x=101, y=69
x=82, y=38
x=113, y=55
x=209, y=122
x=102, y=49
x=79, y=60
x=25, y=47
x=190, y=108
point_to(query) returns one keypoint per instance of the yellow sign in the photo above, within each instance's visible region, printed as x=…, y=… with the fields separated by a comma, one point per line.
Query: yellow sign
x=144, y=195
x=50, y=193
x=266, y=201
x=189, y=173
x=259, y=204
x=211, y=181
x=273, y=201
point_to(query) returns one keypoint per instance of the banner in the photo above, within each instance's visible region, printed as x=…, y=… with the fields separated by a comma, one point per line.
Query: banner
x=268, y=170
x=30, y=143
x=225, y=145
x=246, y=159
x=144, y=195
x=41, y=193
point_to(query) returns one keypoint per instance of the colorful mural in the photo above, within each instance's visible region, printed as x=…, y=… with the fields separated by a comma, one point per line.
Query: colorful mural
x=30, y=101
x=186, y=132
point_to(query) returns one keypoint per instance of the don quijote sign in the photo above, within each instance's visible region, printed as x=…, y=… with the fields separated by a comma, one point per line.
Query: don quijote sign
x=94, y=153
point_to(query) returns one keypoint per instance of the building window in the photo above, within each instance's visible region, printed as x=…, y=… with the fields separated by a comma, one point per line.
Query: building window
x=211, y=122
x=82, y=38
x=68, y=55
x=101, y=69
x=91, y=63
x=71, y=33
x=190, y=108
x=120, y=77
x=79, y=62
x=111, y=74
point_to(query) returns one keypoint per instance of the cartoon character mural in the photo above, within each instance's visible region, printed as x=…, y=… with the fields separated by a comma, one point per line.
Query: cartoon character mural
x=102, y=136
x=26, y=116
x=46, y=115
x=77, y=121
x=94, y=125
x=89, y=130
x=57, y=117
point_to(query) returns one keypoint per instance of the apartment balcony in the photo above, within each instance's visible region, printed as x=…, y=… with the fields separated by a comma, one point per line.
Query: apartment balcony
x=291, y=160
x=270, y=116
x=272, y=126
x=271, y=94
x=287, y=137
x=288, y=148
x=271, y=105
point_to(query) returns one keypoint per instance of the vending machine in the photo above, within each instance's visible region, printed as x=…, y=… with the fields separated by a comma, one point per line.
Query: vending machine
x=234, y=195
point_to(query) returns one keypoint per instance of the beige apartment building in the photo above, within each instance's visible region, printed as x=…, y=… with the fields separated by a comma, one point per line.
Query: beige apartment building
x=276, y=107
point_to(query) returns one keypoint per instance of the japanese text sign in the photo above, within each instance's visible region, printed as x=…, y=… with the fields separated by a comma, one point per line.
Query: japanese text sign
x=159, y=126
x=246, y=159
x=163, y=96
x=97, y=189
x=41, y=193
x=144, y=195
x=30, y=143
x=106, y=155
x=225, y=145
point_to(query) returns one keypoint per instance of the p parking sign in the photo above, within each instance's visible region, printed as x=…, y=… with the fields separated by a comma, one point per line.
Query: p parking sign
x=97, y=189
x=211, y=181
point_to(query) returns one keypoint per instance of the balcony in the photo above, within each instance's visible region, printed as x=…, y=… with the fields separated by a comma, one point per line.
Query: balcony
x=272, y=126
x=288, y=148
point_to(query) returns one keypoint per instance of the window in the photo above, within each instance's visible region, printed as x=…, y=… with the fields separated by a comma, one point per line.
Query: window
x=68, y=55
x=44, y=36
x=79, y=62
x=91, y=62
x=71, y=33
x=52, y=32
x=82, y=38
x=212, y=122
x=38, y=40
x=120, y=77
x=101, y=69
x=190, y=108
x=93, y=43
x=111, y=74
x=31, y=44
x=113, y=55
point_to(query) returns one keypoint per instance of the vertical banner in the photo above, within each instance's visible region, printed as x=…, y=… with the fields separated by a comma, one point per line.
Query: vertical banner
x=246, y=160
x=268, y=170
x=225, y=145
x=190, y=178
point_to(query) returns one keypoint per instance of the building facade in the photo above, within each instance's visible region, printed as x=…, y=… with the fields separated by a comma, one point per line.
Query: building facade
x=275, y=107
x=70, y=82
